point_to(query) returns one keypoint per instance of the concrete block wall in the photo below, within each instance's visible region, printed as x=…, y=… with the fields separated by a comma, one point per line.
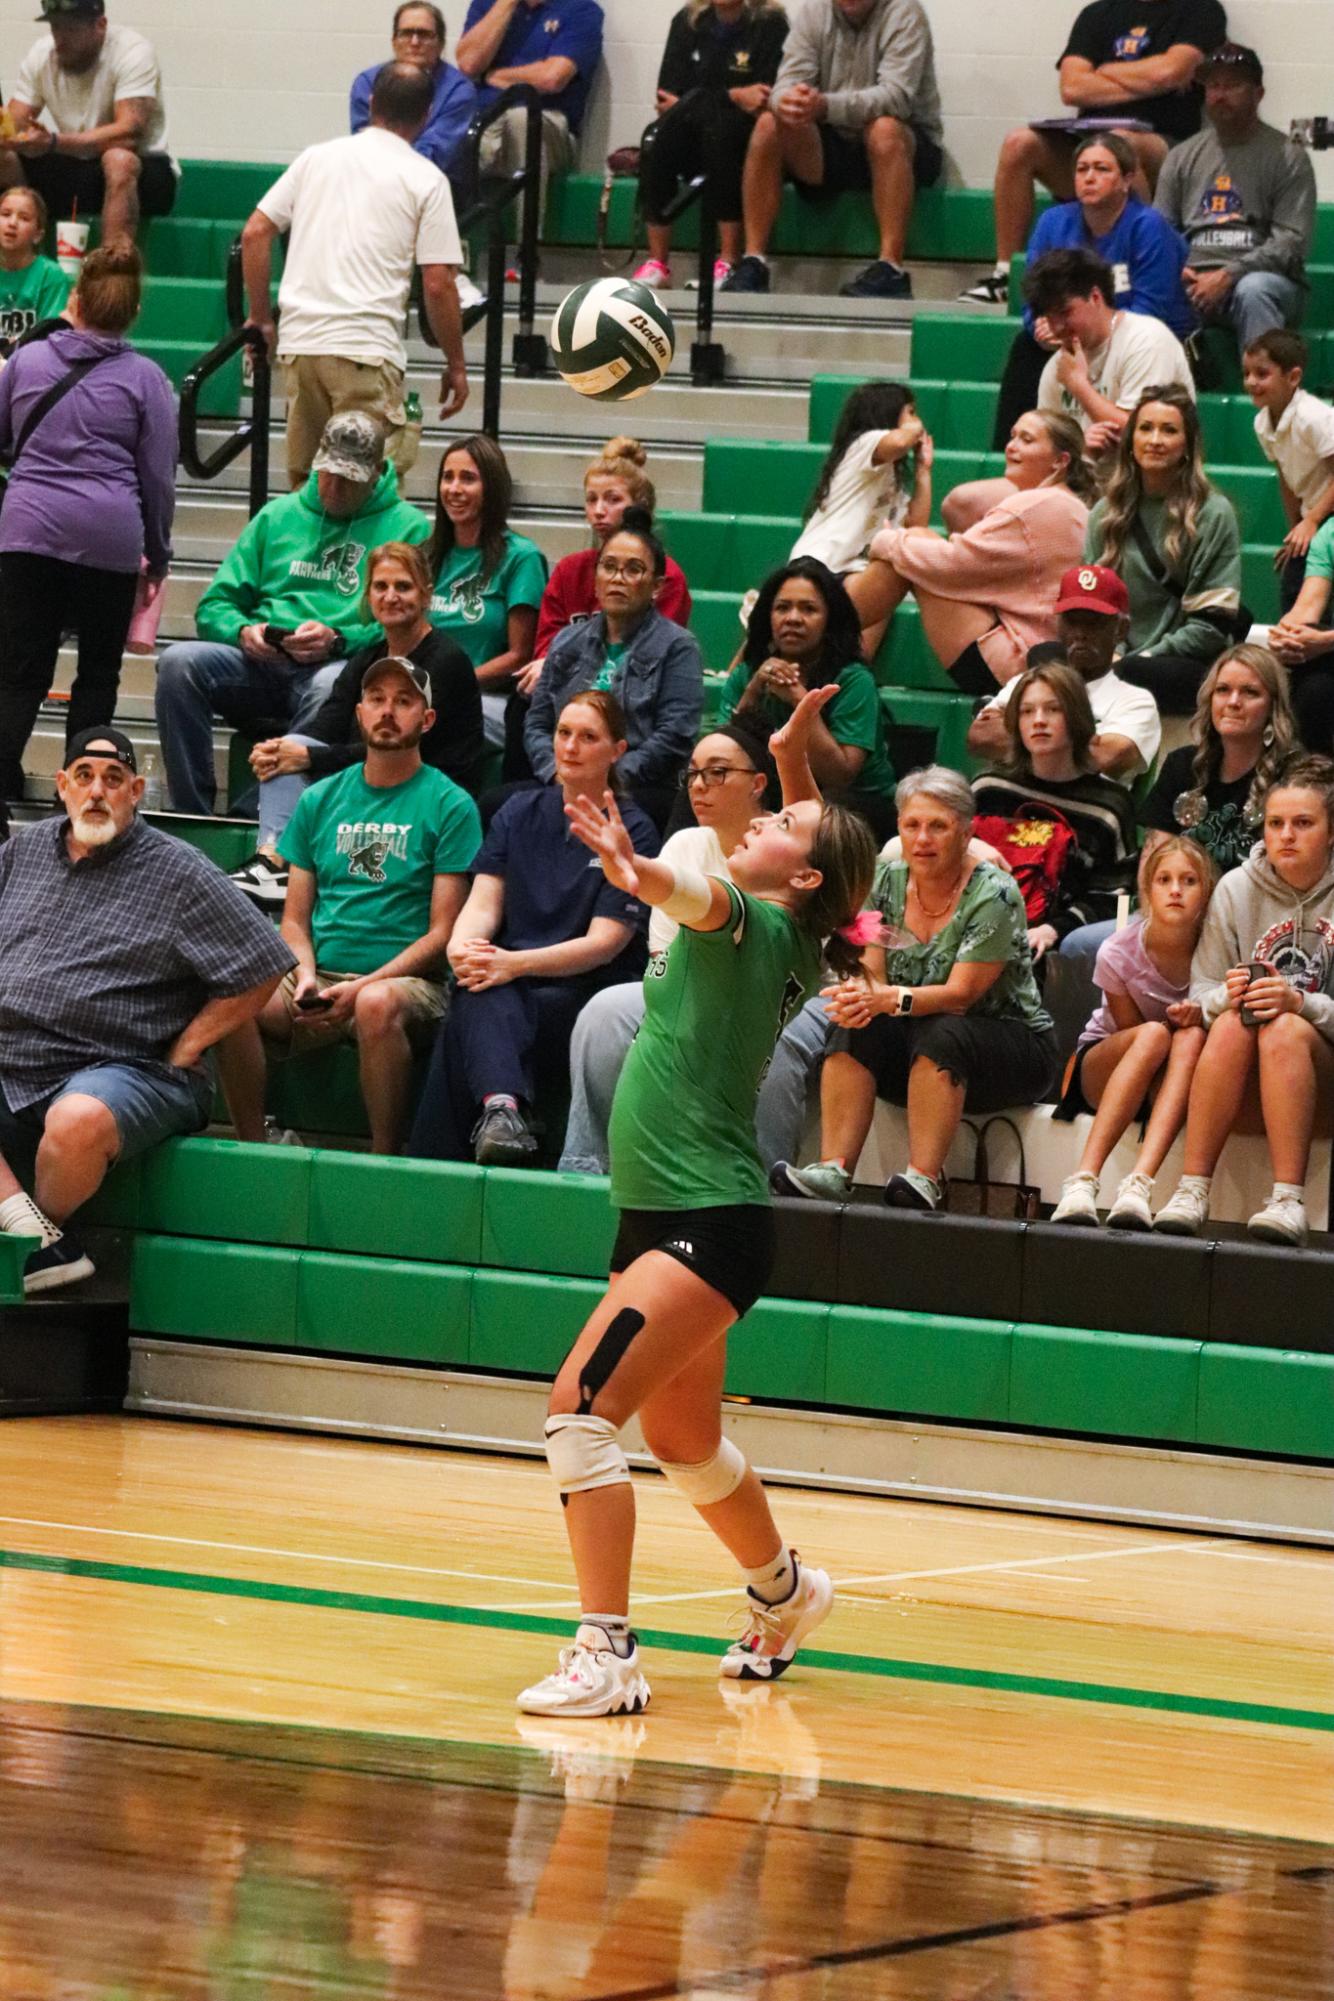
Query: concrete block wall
x=257, y=80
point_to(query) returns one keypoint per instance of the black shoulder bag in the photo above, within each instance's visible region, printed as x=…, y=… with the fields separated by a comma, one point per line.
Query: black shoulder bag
x=42, y=409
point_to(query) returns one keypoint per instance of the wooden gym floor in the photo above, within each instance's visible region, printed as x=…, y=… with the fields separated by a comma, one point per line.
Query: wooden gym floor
x=257, y=1739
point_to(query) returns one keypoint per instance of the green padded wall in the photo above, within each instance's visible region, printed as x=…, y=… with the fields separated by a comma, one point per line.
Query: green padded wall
x=430, y=1209
x=1266, y=1400
x=777, y=1353
x=525, y=1323
x=1126, y=1385
x=919, y=1363
x=218, y=1188
x=214, y=1292
x=561, y=1223
x=389, y=1309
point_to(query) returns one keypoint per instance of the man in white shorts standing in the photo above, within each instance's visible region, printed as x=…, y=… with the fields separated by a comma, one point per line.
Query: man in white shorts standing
x=362, y=212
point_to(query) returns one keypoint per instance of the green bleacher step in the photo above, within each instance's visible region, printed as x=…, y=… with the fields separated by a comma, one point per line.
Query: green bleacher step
x=373, y=1206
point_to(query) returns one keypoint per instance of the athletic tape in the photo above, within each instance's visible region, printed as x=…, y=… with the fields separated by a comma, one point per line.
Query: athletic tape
x=691, y=897
x=613, y=1341
x=711, y=1480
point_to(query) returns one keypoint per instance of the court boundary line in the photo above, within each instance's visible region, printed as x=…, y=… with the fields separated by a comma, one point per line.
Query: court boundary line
x=875, y=1665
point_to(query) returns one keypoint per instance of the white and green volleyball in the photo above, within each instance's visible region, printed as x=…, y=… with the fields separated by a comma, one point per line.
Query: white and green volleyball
x=612, y=339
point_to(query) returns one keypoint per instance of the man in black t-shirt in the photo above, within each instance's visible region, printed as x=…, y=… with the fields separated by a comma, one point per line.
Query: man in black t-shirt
x=1131, y=59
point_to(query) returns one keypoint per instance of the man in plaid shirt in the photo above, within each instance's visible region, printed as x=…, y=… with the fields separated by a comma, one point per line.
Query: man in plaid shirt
x=126, y=956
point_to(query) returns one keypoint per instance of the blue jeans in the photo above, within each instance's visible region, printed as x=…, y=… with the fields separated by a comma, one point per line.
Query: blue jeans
x=1260, y=301
x=197, y=680
x=150, y=1102
x=598, y=1049
x=780, y=1113
x=278, y=797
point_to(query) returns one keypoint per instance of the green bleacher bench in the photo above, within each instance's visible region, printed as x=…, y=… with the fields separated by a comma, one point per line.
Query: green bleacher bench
x=494, y=1269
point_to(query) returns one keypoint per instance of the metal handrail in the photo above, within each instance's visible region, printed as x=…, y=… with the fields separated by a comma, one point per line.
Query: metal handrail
x=490, y=201
x=253, y=434
x=708, y=359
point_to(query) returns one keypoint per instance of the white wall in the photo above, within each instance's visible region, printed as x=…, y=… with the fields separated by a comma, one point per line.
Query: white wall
x=260, y=79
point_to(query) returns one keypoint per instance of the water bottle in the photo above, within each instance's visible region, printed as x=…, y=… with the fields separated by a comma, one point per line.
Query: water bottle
x=153, y=800
x=412, y=408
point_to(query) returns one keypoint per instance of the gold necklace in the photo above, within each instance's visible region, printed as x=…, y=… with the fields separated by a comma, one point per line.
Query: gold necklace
x=926, y=909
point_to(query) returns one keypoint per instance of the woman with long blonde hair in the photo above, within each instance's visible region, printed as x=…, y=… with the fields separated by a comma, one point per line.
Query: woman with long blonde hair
x=1174, y=540
x=1242, y=733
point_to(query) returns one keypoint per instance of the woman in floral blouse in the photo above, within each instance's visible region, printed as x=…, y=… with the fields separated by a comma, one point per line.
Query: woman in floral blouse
x=946, y=1017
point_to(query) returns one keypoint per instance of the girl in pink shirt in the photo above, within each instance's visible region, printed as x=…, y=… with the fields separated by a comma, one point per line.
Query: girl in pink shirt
x=986, y=591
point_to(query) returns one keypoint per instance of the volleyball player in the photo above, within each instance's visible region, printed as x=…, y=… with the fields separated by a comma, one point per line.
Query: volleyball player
x=696, y=1239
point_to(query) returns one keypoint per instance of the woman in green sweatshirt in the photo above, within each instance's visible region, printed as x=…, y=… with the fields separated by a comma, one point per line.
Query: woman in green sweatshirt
x=1174, y=540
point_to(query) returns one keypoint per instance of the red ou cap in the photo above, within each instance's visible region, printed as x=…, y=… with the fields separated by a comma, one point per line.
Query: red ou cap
x=1091, y=587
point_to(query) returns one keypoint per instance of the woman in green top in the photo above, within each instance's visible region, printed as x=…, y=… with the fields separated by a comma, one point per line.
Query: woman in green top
x=947, y=1017
x=696, y=1236
x=489, y=581
x=1174, y=540
x=803, y=633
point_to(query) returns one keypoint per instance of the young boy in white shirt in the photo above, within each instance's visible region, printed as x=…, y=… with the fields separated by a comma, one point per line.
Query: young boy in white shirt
x=1296, y=433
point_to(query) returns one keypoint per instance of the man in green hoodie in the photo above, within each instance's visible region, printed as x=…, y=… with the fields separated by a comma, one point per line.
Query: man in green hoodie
x=286, y=608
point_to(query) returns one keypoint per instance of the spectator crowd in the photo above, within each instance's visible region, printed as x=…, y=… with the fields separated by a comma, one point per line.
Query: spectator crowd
x=1124, y=909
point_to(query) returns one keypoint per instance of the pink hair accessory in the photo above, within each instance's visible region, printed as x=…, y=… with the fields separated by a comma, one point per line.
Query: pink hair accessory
x=867, y=928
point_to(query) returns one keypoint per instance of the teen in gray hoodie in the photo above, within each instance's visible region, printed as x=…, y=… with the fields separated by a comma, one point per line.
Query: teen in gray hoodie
x=1271, y=1035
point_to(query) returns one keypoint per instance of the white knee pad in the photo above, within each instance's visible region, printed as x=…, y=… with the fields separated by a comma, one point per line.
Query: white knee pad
x=584, y=1452
x=712, y=1479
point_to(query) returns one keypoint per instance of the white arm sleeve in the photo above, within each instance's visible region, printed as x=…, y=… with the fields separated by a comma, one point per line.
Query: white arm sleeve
x=691, y=897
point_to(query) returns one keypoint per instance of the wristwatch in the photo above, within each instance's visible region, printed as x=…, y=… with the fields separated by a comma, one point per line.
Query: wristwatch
x=905, y=1000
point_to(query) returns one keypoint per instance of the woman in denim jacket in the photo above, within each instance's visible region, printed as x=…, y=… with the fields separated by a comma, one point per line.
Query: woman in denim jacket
x=652, y=666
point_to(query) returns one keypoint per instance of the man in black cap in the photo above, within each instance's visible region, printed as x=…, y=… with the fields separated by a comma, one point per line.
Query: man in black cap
x=1243, y=196
x=102, y=146
x=379, y=857
x=127, y=955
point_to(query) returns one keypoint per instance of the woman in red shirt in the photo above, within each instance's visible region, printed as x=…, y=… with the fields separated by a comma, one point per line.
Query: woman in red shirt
x=612, y=483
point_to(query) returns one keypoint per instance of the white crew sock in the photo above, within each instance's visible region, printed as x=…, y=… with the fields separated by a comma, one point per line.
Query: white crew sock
x=776, y=1580
x=1192, y=1182
x=1293, y=1190
x=617, y=1628
x=20, y=1217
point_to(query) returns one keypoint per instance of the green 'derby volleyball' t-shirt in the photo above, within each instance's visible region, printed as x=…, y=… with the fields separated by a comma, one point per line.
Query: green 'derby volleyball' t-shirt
x=375, y=851
x=715, y=1003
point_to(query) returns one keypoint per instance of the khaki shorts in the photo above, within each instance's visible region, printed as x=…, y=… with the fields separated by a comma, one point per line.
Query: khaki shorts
x=320, y=386
x=425, y=1002
x=505, y=144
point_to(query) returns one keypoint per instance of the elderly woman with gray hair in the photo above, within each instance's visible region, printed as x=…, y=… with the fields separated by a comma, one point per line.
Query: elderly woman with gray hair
x=944, y=1018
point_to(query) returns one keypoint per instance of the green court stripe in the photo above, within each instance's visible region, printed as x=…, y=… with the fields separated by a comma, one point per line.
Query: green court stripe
x=679, y=1643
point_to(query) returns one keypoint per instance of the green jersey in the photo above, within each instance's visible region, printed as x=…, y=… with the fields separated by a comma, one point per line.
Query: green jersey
x=38, y=292
x=854, y=718
x=475, y=612
x=683, y=1118
x=375, y=852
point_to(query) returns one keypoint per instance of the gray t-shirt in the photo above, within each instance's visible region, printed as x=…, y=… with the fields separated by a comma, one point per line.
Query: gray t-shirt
x=1250, y=207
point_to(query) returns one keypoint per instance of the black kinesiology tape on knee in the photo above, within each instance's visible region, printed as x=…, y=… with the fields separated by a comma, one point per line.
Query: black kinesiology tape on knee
x=598, y=1369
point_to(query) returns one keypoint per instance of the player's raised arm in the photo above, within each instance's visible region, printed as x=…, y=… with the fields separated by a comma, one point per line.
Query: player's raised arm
x=698, y=901
x=791, y=745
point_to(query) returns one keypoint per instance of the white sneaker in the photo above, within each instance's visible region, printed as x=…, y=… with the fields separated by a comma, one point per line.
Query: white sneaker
x=1132, y=1208
x=774, y=1632
x=1079, y=1200
x=592, y=1766
x=1185, y=1215
x=1281, y=1221
x=592, y=1680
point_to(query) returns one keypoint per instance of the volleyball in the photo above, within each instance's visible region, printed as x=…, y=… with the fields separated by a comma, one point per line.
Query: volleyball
x=612, y=339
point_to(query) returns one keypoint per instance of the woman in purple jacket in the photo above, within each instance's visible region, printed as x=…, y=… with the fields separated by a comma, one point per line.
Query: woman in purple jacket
x=91, y=495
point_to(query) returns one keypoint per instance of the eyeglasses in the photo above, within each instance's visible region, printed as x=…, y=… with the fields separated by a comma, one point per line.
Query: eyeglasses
x=417, y=35
x=633, y=572
x=711, y=776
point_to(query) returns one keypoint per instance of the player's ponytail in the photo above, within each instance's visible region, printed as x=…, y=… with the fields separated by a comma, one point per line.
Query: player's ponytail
x=844, y=851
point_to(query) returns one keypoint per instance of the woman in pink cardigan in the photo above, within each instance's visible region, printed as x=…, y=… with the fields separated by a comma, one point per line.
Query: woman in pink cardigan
x=986, y=590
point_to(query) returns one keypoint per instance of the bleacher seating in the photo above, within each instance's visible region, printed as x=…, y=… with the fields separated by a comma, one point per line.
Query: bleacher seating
x=326, y=1251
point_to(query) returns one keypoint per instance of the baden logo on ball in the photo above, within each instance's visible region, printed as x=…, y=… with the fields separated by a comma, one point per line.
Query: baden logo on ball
x=612, y=339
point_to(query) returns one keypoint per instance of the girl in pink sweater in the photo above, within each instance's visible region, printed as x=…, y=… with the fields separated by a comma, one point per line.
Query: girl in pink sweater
x=986, y=591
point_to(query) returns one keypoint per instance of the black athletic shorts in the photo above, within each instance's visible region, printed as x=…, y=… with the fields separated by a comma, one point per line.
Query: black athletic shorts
x=62, y=181
x=971, y=673
x=847, y=165
x=731, y=1249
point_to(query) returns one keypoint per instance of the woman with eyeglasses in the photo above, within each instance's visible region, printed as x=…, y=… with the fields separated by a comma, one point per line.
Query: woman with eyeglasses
x=652, y=666
x=726, y=782
x=804, y=633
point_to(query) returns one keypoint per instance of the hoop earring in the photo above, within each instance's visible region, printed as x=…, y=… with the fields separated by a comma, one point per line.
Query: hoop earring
x=1268, y=738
